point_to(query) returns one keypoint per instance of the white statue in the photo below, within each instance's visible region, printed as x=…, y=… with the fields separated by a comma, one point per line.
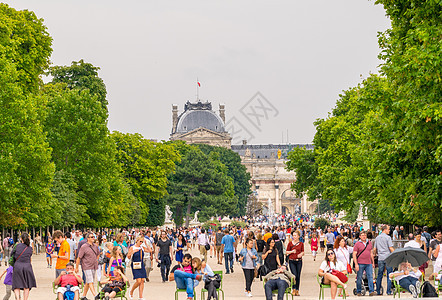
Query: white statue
x=195, y=217
x=168, y=218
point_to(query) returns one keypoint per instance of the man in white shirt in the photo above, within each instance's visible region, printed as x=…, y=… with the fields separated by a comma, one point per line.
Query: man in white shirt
x=202, y=242
x=411, y=242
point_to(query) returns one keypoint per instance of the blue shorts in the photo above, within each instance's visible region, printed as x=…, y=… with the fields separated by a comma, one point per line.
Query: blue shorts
x=48, y=255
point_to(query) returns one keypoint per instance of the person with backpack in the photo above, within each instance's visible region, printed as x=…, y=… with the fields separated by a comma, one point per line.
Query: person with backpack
x=8, y=244
x=68, y=283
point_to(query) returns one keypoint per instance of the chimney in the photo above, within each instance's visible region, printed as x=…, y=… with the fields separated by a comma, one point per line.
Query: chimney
x=174, y=117
x=222, y=112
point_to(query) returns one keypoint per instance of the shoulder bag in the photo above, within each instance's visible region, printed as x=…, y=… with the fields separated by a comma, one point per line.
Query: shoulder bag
x=12, y=259
x=349, y=269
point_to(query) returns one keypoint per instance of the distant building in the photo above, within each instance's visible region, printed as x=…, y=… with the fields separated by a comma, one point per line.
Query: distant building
x=270, y=179
x=198, y=124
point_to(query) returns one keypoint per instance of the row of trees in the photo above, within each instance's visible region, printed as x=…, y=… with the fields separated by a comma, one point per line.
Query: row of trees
x=380, y=147
x=60, y=165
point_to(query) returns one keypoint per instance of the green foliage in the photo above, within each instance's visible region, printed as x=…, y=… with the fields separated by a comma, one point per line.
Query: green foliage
x=238, y=224
x=321, y=223
x=381, y=146
x=211, y=224
x=81, y=75
x=146, y=166
x=235, y=170
x=303, y=162
x=76, y=126
x=26, y=44
x=25, y=167
x=200, y=183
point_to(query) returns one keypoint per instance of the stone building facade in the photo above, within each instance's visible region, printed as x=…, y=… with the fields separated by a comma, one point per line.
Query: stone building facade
x=199, y=124
x=271, y=182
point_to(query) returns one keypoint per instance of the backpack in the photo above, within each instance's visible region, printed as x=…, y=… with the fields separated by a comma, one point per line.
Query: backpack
x=428, y=290
x=11, y=242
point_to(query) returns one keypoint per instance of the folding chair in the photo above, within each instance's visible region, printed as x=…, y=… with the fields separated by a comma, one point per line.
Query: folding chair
x=287, y=292
x=121, y=294
x=220, y=289
x=327, y=286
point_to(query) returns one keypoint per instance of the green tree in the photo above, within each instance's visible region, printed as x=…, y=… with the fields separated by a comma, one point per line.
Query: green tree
x=200, y=183
x=81, y=75
x=26, y=44
x=236, y=171
x=146, y=165
x=25, y=168
x=76, y=126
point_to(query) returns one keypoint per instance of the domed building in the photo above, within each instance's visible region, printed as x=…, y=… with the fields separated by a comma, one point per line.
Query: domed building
x=199, y=124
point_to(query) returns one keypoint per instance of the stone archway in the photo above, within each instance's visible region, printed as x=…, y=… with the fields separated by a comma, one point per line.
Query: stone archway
x=312, y=208
x=285, y=210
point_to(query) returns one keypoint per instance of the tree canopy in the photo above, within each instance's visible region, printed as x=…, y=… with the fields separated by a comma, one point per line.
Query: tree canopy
x=200, y=182
x=381, y=145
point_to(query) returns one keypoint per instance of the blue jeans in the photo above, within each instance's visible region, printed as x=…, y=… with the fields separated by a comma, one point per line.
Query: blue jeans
x=165, y=266
x=275, y=284
x=185, y=281
x=368, y=268
x=382, y=265
x=228, y=257
x=405, y=282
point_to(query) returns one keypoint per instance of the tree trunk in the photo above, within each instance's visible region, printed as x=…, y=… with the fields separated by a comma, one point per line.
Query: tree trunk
x=189, y=206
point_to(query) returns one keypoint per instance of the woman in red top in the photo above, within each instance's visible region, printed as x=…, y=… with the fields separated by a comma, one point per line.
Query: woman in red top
x=295, y=250
x=314, y=245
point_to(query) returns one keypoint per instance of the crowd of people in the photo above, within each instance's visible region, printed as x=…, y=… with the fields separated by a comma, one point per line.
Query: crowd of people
x=273, y=253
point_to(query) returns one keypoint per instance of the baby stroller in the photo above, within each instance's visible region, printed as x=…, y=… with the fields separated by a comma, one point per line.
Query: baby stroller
x=364, y=287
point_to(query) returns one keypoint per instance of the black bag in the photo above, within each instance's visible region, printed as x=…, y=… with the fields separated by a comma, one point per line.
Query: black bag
x=428, y=290
x=211, y=283
x=263, y=271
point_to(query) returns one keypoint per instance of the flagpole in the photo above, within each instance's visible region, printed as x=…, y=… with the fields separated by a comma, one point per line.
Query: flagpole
x=197, y=90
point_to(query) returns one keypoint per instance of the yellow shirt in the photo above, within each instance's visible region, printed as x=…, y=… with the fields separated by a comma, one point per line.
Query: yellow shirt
x=267, y=236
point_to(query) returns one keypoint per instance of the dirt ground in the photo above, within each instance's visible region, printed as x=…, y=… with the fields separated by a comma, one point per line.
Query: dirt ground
x=233, y=284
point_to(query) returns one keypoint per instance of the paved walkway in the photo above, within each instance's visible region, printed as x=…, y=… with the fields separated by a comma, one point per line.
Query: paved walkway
x=233, y=284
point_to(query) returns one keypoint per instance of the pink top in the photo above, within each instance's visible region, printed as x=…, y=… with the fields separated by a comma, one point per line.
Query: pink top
x=365, y=257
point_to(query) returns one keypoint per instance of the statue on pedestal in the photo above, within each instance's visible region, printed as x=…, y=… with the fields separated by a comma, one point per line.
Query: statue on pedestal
x=195, y=217
x=168, y=217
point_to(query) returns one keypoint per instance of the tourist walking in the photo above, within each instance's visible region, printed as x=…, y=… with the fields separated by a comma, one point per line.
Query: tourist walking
x=164, y=255
x=228, y=243
x=50, y=247
x=203, y=240
x=295, y=251
x=8, y=243
x=88, y=257
x=23, y=276
x=63, y=254
x=383, y=246
x=270, y=255
x=218, y=238
x=180, y=247
x=314, y=245
x=138, y=268
x=342, y=254
x=260, y=244
x=364, y=261
x=248, y=257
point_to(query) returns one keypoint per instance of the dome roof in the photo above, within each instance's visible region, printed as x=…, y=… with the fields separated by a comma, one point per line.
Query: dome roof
x=193, y=119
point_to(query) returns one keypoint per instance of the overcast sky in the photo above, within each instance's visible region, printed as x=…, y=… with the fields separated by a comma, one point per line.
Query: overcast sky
x=298, y=54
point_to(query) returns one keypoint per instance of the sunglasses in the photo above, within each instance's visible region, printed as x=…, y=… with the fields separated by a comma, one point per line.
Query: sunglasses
x=331, y=253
